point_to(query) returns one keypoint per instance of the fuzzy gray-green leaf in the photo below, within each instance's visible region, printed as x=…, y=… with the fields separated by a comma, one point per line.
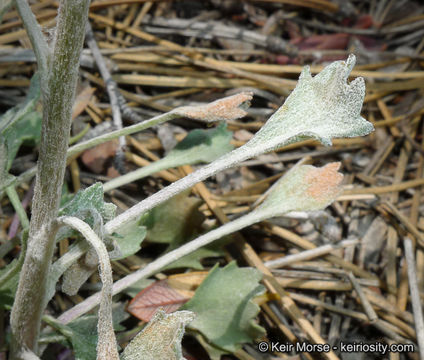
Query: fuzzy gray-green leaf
x=160, y=339
x=129, y=239
x=321, y=107
x=91, y=197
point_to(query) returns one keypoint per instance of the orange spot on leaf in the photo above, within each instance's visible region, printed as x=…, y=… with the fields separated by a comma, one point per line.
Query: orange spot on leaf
x=324, y=182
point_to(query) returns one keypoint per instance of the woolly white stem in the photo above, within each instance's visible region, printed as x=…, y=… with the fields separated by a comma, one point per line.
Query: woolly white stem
x=38, y=41
x=122, y=132
x=106, y=345
x=58, y=83
x=224, y=162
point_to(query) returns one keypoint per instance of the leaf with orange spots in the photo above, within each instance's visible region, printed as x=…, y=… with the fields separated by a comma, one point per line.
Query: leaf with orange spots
x=303, y=188
x=229, y=108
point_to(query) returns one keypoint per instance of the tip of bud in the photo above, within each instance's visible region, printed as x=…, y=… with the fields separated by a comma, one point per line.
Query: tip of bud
x=229, y=108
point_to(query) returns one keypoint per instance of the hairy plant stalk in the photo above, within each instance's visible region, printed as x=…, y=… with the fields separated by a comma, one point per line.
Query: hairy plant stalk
x=135, y=175
x=106, y=344
x=225, y=109
x=33, y=29
x=224, y=162
x=121, y=132
x=17, y=205
x=58, y=83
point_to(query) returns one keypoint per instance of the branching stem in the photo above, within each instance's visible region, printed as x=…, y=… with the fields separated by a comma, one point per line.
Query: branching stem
x=106, y=345
x=33, y=29
x=17, y=205
x=58, y=83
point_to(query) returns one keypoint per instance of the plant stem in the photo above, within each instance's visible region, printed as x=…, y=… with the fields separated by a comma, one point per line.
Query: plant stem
x=224, y=162
x=17, y=205
x=138, y=174
x=58, y=90
x=106, y=344
x=122, y=132
x=76, y=149
x=18, y=264
x=33, y=29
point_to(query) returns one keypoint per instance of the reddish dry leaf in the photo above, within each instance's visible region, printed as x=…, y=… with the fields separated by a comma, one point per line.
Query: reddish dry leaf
x=371, y=43
x=364, y=22
x=95, y=159
x=323, y=42
x=158, y=295
x=282, y=59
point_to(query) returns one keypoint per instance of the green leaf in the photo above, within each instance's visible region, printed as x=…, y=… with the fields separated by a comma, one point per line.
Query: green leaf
x=160, y=339
x=198, y=146
x=9, y=275
x=175, y=221
x=89, y=206
x=201, y=146
x=22, y=123
x=129, y=239
x=84, y=345
x=89, y=198
x=8, y=287
x=192, y=260
x=223, y=307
